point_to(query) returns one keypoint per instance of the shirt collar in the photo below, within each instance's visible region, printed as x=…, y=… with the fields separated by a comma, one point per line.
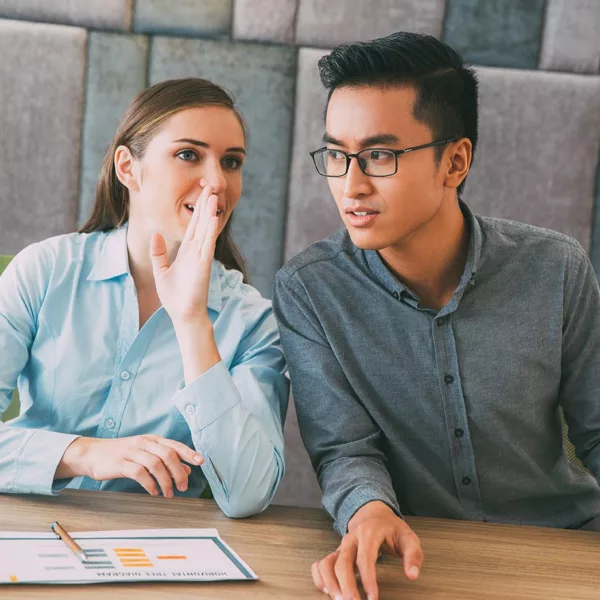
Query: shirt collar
x=473, y=257
x=114, y=262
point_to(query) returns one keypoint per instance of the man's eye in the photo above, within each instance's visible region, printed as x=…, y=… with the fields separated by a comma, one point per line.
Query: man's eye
x=187, y=155
x=335, y=155
x=233, y=163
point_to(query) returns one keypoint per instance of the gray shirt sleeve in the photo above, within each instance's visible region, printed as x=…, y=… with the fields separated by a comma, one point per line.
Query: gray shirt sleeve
x=341, y=438
x=580, y=377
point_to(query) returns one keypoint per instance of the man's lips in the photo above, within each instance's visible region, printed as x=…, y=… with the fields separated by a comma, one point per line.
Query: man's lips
x=360, y=216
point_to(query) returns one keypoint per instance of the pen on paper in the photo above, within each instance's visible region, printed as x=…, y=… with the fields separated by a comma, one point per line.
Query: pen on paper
x=71, y=544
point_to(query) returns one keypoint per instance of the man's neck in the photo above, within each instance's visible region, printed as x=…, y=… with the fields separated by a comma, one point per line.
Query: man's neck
x=432, y=262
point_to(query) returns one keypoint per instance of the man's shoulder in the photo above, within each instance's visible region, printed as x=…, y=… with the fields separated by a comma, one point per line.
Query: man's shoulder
x=317, y=254
x=544, y=242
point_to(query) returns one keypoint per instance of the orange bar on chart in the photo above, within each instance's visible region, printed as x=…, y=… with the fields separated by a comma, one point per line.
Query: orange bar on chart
x=172, y=557
x=13, y=578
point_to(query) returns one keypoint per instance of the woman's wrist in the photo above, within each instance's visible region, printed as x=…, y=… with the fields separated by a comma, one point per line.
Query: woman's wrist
x=72, y=463
x=198, y=348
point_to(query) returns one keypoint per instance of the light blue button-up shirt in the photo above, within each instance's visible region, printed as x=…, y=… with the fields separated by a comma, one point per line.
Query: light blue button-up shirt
x=70, y=338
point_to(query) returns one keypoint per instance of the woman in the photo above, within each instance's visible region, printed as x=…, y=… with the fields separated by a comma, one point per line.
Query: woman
x=143, y=360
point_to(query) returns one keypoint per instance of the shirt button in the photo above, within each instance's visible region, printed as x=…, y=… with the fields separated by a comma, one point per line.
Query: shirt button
x=125, y=375
x=441, y=321
x=109, y=423
x=458, y=432
x=448, y=379
x=396, y=294
x=466, y=480
x=190, y=409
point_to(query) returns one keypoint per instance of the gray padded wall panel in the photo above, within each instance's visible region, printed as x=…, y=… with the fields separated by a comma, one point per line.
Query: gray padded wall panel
x=116, y=72
x=262, y=80
x=264, y=20
x=502, y=33
x=299, y=486
x=105, y=14
x=533, y=165
x=326, y=23
x=312, y=213
x=40, y=123
x=189, y=17
x=572, y=36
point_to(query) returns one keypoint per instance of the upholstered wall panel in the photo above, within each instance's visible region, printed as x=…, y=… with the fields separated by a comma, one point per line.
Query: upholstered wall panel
x=595, y=251
x=299, y=486
x=264, y=20
x=102, y=14
x=502, y=33
x=572, y=36
x=40, y=125
x=326, y=23
x=116, y=72
x=184, y=17
x=535, y=165
x=312, y=213
x=262, y=80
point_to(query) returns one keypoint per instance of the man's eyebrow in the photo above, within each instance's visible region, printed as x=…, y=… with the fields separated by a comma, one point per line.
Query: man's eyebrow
x=373, y=140
x=205, y=145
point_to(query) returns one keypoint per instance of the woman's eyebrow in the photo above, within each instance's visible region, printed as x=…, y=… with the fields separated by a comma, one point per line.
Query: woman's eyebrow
x=205, y=145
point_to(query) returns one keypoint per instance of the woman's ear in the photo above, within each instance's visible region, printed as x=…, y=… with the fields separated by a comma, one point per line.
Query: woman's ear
x=125, y=168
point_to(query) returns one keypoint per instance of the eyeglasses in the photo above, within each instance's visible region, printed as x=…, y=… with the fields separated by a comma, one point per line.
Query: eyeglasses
x=374, y=162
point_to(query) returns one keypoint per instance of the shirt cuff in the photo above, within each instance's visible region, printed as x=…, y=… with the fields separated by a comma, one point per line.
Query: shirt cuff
x=38, y=461
x=207, y=398
x=356, y=500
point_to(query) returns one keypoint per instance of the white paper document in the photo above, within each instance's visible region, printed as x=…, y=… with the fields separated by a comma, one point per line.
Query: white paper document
x=132, y=555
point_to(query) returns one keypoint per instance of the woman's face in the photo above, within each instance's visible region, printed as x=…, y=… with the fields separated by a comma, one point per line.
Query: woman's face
x=193, y=148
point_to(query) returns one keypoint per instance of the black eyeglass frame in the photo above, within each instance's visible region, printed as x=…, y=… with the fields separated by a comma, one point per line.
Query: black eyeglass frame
x=396, y=154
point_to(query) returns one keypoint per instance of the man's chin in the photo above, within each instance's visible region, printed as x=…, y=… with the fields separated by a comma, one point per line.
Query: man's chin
x=367, y=240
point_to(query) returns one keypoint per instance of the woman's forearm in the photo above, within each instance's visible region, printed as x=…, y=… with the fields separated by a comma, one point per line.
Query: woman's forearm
x=197, y=347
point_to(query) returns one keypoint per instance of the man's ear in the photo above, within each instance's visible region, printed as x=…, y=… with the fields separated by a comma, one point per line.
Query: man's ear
x=459, y=159
x=126, y=169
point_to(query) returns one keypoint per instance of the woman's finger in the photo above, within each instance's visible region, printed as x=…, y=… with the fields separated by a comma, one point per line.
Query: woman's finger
x=191, y=228
x=345, y=567
x=171, y=460
x=155, y=466
x=135, y=471
x=207, y=252
x=185, y=452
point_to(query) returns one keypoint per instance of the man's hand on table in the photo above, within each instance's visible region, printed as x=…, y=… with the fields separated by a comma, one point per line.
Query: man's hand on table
x=374, y=527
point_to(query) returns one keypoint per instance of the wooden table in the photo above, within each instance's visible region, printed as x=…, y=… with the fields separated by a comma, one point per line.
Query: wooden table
x=466, y=561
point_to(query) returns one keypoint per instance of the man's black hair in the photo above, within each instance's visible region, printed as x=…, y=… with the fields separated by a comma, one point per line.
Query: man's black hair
x=447, y=96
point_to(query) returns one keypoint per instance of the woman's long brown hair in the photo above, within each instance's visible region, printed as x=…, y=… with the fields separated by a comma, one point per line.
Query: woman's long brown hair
x=148, y=111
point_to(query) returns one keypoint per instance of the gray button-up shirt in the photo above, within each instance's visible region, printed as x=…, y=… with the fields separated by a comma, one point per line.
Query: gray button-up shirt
x=451, y=413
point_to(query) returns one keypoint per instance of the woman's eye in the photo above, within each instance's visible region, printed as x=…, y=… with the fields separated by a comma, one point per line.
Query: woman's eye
x=232, y=163
x=187, y=155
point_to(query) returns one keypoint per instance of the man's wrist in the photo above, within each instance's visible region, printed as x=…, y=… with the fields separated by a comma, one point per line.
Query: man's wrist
x=374, y=508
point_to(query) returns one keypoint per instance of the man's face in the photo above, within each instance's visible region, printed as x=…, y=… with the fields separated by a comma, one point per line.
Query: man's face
x=400, y=205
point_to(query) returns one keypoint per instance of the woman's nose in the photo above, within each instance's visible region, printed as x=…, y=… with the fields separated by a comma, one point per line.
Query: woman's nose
x=214, y=176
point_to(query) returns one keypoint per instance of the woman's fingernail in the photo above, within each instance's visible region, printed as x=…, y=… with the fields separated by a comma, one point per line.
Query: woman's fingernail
x=326, y=591
x=197, y=459
x=413, y=572
x=182, y=487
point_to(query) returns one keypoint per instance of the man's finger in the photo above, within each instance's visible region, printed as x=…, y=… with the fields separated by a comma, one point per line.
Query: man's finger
x=366, y=561
x=408, y=546
x=138, y=473
x=344, y=567
x=317, y=579
x=327, y=573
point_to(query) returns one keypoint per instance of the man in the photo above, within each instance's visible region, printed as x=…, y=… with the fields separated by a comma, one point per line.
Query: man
x=429, y=348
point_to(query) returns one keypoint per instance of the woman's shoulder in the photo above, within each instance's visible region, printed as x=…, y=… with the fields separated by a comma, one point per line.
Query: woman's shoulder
x=61, y=249
x=229, y=290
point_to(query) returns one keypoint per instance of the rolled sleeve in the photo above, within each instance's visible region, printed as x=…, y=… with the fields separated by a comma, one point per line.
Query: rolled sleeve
x=207, y=398
x=38, y=458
